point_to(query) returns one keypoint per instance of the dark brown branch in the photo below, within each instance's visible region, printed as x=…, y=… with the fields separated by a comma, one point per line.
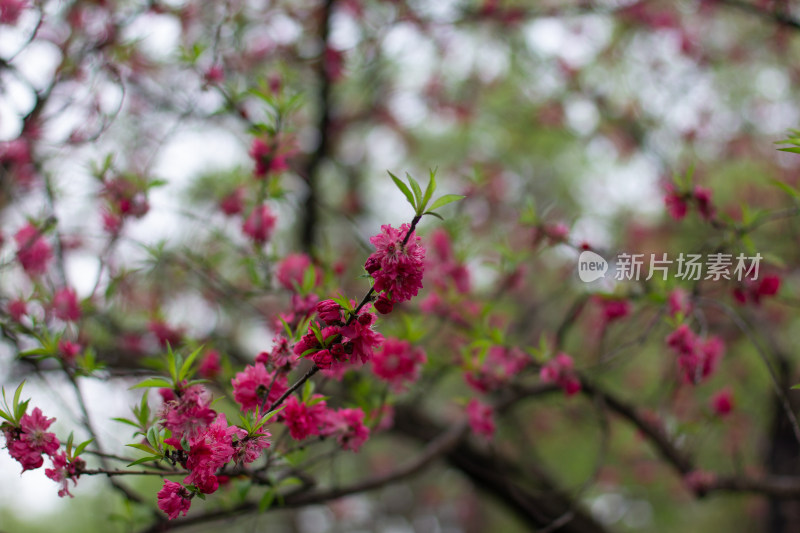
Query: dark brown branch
x=310, y=213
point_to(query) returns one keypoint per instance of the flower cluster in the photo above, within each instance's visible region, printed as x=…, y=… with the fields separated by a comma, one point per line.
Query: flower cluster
x=124, y=198
x=186, y=411
x=266, y=159
x=677, y=202
x=174, y=498
x=65, y=470
x=697, y=357
x=305, y=419
x=339, y=341
x=257, y=388
x=33, y=252
x=65, y=305
x=260, y=224
x=754, y=291
x=203, y=443
x=397, y=264
x=560, y=370
x=30, y=440
x=481, y=418
x=398, y=363
x=495, y=369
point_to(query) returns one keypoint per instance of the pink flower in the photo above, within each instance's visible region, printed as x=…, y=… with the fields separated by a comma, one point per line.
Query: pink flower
x=280, y=357
x=63, y=471
x=302, y=308
x=166, y=334
x=703, y=198
x=499, y=366
x=260, y=224
x=112, y=222
x=33, y=428
x=481, y=418
x=722, y=402
x=769, y=286
x=614, y=309
x=17, y=309
x=556, y=233
x=398, y=363
x=359, y=337
x=174, y=499
x=266, y=158
x=304, y=419
x=249, y=448
x=68, y=350
x=697, y=357
x=33, y=252
x=65, y=305
x=675, y=202
x=210, y=365
x=233, y=204
x=347, y=425
x=679, y=302
x=329, y=312
x=10, y=10
x=256, y=388
x=30, y=440
x=323, y=357
x=444, y=267
x=753, y=291
x=292, y=269
x=208, y=452
x=214, y=75
x=396, y=267
x=559, y=370
x=383, y=305
x=188, y=412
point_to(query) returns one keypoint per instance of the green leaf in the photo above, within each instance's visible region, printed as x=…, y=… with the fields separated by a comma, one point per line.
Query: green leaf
x=17, y=395
x=794, y=150
x=446, y=199
x=264, y=419
x=429, y=190
x=20, y=410
x=126, y=421
x=791, y=191
x=82, y=446
x=37, y=352
x=143, y=447
x=405, y=190
x=154, y=382
x=796, y=386
x=266, y=500
x=186, y=367
x=431, y=213
x=146, y=460
x=152, y=437
x=417, y=190
x=172, y=364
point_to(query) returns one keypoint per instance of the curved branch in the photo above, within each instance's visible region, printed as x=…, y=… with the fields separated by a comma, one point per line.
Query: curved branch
x=439, y=446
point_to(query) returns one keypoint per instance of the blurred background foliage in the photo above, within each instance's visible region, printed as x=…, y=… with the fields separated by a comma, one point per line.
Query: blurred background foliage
x=542, y=113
